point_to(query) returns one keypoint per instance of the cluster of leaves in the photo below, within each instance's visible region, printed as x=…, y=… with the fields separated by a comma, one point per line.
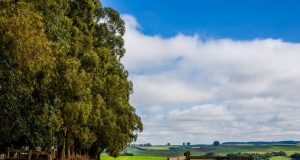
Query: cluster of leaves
x=127, y=154
x=145, y=145
x=257, y=156
x=61, y=79
x=295, y=156
x=216, y=143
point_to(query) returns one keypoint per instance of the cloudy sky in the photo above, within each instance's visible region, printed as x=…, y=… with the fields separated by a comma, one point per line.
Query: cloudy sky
x=232, y=74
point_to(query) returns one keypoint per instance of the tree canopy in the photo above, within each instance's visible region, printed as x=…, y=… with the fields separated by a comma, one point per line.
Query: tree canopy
x=61, y=80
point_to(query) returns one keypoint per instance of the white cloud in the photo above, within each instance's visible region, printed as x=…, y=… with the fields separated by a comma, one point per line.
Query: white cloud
x=165, y=90
x=188, y=89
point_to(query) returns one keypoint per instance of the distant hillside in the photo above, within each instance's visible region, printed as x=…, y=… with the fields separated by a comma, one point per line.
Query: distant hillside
x=263, y=142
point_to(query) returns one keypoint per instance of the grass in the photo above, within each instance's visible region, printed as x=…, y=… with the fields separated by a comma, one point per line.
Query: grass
x=280, y=158
x=161, y=152
x=224, y=150
x=132, y=158
x=157, y=148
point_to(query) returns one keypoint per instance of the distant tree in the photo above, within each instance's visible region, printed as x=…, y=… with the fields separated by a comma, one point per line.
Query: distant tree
x=257, y=156
x=210, y=154
x=295, y=156
x=280, y=153
x=147, y=145
x=216, y=143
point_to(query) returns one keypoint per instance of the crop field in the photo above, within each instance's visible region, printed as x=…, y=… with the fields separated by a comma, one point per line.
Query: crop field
x=161, y=152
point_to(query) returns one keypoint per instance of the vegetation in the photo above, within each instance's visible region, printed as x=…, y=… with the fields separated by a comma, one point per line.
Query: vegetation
x=274, y=152
x=216, y=143
x=257, y=156
x=280, y=158
x=210, y=154
x=295, y=156
x=61, y=80
x=133, y=158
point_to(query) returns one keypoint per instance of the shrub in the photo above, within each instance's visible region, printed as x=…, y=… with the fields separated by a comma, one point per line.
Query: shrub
x=210, y=154
x=295, y=156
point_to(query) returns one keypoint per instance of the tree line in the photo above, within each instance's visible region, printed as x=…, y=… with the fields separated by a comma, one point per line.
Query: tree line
x=61, y=80
x=257, y=156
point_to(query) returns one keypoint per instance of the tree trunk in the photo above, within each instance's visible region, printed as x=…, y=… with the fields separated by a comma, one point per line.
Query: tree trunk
x=72, y=149
x=98, y=155
x=63, y=147
x=68, y=147
x=63, y=150
x=30, y=155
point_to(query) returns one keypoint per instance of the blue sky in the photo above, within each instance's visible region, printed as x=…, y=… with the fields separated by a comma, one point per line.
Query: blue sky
x=205, y=70
x=237, y=19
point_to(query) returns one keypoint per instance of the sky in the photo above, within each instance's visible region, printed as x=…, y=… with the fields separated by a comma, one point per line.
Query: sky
x=213, y=69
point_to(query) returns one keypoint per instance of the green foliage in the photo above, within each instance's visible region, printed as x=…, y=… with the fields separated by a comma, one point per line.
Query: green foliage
x=295, y=156
x=26, y=64
x=222, y=150
x=216, y=143
x=133, y=158
x=257, y=156
x=210, y=154
x=61, y=79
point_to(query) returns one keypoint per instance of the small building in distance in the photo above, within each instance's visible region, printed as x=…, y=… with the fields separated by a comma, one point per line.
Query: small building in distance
x=168, y=144
x=183, y=144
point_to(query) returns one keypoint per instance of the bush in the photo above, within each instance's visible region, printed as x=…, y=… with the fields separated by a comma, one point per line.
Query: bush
x=257, y=156
x=210, y=154
x=127, y=154
x=295, y=156
x=216, y=143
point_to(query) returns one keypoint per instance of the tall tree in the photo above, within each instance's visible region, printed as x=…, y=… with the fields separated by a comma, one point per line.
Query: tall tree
x=61, y=79
x=27, y=64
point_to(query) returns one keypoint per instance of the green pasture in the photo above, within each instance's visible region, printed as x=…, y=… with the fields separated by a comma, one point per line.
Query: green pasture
x=164, y=158
x=161, y=152
x=280, y=158
x=157, y=148
x=223, y=150
x=133, y=158
x=165, y=151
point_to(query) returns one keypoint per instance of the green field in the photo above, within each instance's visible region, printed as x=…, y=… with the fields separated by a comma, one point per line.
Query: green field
x=132, y=158
x=163, y=158
x=220, y=150
x=161, y=152
x=280, y=158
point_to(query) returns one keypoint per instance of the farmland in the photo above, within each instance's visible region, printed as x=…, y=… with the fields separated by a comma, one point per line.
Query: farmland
x=161, y=152
x=133, y=158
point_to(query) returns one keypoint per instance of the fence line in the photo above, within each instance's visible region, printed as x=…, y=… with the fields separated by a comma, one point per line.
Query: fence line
x=2, y=156
x=25, y=154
